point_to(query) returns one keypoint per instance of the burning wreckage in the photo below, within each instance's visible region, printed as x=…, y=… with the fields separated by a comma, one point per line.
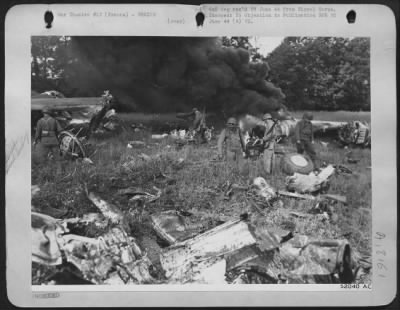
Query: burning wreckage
x=245, y=250
x=354, y=133
x=79, y=118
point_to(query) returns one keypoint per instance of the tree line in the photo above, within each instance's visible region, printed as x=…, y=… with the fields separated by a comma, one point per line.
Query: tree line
x=324, y=73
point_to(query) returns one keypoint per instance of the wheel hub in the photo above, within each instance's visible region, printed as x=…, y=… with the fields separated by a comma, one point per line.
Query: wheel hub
x=299, y=160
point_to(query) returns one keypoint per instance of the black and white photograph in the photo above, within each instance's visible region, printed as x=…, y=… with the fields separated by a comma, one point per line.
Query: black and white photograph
x=200, y=160
x=200, y=155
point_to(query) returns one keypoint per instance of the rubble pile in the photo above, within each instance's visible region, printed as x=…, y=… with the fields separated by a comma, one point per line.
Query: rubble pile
x=235, y=252
x=247, y=250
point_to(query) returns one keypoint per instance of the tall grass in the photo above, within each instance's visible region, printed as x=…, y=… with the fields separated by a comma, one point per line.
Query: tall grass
x=198, y=187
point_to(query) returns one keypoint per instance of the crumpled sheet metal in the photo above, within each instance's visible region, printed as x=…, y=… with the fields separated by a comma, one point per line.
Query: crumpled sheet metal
x=220, y=241
x=261, y=194
x=178, y=259
x=310, y=183
x=111, y=258
x=98, y=259
x=303, y=258
x=172, y=227
x=46, y=239
x=108, y=210
x=169, y=226
x=264, y=189
x=255, y=255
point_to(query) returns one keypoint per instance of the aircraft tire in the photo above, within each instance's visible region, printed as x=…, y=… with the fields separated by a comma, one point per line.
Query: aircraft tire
x=294, y=162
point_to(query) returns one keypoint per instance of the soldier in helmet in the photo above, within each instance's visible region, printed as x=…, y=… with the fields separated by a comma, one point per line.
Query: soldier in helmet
x=197, y=123
x=230, y=142
x=305, y=137
x=269, y=142
x=46, y=136
x=197, y=120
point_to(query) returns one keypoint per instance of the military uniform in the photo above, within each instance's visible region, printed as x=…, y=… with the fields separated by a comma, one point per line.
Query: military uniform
x=198, y=120
x=46, y=137
x=230, y=144
x=268, y=156
x=305, y=137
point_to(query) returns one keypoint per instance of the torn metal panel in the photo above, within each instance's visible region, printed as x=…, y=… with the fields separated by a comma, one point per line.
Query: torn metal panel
x=295, y=195
x=71, y=146
x=264, y=189
x=211, y=271
x=238, y=242
x=136, y=143
x=309, y=183
x=98, y=258
x=242, y=256
x=221, y=240
x=302, y=256
x=46, y=239
x=208, y=271
x=108, y=210
x=143, y=196
x=265, y=240
x=169, y=226
x=172, y=227
x=96, y=218
x=132, y=273
x=337, y=198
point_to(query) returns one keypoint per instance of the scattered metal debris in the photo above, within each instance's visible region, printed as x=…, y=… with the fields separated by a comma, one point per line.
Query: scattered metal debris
x=304, y=259
x=247, y=250
x=338, y=198
x=98, y=258
x=90, y=218
x=137, y=194
x=136, y=143
x=355, y=133
x=264, y=189
x=236, y=252
x=35, y=189
x=171, y=226
x=342, y=169
x=109, y=211
x=310, y=183
x=157, y=137
x=46, y=239
x=88, y=161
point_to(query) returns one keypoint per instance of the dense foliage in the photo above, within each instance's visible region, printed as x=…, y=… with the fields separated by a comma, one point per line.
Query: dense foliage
x=323, y=73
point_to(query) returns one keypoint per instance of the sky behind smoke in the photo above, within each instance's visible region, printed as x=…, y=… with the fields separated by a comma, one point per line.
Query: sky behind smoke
x=266, y=44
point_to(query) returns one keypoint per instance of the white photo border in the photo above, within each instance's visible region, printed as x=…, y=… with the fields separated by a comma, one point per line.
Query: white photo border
x=382, y=34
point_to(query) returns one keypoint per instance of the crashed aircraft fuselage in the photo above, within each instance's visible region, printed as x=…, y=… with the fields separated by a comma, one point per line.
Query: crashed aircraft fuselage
x=354, y=132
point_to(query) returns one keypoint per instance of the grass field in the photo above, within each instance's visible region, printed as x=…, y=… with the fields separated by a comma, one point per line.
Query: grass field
x=197, y=187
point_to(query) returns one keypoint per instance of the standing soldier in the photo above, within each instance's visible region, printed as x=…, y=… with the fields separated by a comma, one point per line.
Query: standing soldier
x=47, y=130
x=305, y=137
x=230, y=143
x=269, y=142
x=198, y=119
x=197, y=125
